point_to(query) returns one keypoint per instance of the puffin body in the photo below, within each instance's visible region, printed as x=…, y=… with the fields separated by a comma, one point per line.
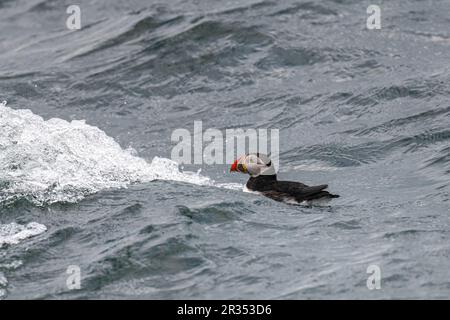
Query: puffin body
x=288, y=191
x=263, y=179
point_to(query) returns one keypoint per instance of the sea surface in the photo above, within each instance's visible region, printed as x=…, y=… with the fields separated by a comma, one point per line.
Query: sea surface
x=87, y=182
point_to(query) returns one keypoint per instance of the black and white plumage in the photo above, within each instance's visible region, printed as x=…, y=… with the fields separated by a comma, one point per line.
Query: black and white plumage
x=263, y=179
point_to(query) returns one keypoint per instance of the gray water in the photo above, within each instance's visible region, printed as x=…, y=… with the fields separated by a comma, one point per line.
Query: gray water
x=366, y=111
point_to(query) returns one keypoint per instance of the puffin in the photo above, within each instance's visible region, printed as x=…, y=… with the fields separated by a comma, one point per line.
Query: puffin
x=263, y=180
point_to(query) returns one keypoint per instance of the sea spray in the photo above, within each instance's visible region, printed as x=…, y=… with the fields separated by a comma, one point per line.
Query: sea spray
x=48, y=161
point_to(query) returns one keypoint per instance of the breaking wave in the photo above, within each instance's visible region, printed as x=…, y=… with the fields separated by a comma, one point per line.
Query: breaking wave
x=59, y=161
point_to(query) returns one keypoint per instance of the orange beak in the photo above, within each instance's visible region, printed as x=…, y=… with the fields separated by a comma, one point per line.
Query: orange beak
x=234, y=166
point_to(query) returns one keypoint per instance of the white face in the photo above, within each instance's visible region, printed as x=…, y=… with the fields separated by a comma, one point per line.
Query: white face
x=256, y=166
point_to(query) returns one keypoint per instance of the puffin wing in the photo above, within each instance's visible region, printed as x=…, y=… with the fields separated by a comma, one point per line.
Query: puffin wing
x=300, y=191
x=299, y=195
x=314, y=189
x=316, y=192
x=293, y=188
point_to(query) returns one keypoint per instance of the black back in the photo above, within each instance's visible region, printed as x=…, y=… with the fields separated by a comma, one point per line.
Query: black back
x=287, y=190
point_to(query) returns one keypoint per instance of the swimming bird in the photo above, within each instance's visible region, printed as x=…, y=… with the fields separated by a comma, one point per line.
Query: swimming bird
x=263, y=179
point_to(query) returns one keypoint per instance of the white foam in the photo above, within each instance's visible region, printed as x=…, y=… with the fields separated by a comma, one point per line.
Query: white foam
x=14, y=233
x=3, y=285
x=231, y=186
x=3, y=280
x=11, y=265
x=59, y=161
x=166, y=169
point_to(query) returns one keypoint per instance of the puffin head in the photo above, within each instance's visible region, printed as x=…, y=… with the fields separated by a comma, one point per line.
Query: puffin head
x=254, y=164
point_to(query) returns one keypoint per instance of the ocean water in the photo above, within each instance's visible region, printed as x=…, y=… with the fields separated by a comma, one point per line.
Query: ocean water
x=87, y=180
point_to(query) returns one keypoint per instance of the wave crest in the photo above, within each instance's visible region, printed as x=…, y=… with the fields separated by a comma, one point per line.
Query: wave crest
x=59, y=161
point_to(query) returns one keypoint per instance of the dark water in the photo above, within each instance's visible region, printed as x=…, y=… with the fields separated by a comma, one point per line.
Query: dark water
x=366, y=111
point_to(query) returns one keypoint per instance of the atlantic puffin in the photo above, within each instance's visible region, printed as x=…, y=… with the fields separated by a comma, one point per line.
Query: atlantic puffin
x=263, y=179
